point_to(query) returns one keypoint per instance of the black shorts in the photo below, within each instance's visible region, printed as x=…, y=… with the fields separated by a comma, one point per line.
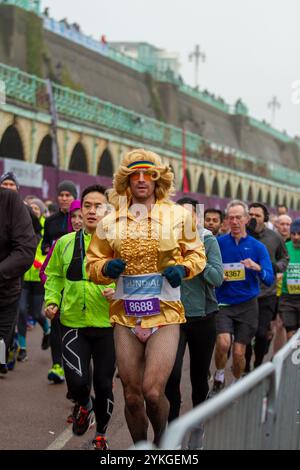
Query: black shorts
x=289, y=311
x=267, y=311
x=240, y=320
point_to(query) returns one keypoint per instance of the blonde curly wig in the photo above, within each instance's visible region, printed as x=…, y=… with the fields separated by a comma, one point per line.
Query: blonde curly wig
x=162, y=175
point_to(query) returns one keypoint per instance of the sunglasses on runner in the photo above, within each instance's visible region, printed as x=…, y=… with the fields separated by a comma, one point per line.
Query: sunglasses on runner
x=148, y=175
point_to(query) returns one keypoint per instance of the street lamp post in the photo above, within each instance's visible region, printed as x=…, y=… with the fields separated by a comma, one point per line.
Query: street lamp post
x=185, y=186
x=198, y=55
x=274, y=105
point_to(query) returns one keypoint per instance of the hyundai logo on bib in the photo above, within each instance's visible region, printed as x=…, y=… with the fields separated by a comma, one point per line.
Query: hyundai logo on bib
x=151, y=284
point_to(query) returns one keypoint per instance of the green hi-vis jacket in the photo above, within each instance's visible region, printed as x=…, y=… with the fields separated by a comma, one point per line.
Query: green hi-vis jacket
x=33, y=274
x=81, y=302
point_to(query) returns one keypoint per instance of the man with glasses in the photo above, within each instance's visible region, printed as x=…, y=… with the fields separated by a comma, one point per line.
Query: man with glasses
x=149, y=245
x=246, y=261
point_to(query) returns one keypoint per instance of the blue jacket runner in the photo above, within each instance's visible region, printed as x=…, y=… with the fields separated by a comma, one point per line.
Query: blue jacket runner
x=236, y=292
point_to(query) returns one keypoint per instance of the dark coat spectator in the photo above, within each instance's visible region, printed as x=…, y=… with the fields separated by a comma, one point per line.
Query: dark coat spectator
x=17, y=250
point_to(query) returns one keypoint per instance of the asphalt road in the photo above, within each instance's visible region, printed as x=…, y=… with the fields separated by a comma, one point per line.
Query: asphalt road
x=34, y=412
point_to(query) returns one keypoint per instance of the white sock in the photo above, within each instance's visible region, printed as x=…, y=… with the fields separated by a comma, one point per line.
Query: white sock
x=220, y=375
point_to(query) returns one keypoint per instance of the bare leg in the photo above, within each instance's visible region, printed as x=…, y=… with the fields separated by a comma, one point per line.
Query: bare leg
x=239, y=360
x=161, y=353
x=222, y=347
x=280, y=335
x=130, y=361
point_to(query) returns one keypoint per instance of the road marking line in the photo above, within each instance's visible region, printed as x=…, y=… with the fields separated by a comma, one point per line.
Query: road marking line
x=61, y=440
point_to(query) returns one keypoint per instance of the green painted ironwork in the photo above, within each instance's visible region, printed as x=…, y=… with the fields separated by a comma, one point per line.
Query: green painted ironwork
x=241, y=108
x=27, y=89
x=266, y=128
x=61, y=28
x=281, y=173
x=20, y=85
x=28, y=5
x=205, y=97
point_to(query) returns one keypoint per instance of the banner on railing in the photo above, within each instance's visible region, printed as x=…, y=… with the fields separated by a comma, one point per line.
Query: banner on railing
x=28, y=174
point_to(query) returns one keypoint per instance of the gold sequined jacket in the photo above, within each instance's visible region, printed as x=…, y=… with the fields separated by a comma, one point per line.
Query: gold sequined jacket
x=148, y=244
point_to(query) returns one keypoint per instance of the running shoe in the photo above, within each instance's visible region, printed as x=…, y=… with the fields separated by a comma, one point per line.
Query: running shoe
x=22, y=355
x=71, y=418
x=217, y=388
x=100, y=443
x=12, y=356
x=82, y=421
x=69, y=396
x=30, y=323
x=56, y=374
x=46, y=341
x=3, y=369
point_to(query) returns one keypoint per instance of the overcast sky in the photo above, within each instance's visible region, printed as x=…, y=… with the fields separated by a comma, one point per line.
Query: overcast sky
x=252, y=46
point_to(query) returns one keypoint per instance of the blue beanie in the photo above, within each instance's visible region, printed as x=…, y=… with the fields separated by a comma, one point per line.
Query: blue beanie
x=295, y=227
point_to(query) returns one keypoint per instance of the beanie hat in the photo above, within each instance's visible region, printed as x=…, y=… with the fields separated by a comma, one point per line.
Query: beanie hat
x=295, y=227
x=40, y=205
x=67, y=186
x=10, y=176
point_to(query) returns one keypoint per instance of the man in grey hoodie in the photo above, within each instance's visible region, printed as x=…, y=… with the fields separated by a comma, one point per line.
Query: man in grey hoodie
x=267, y=300
x=201, y=306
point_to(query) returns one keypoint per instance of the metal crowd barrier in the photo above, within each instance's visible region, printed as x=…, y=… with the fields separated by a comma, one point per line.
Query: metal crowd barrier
x=236, y=419
x=287, y=425
x=260, y=412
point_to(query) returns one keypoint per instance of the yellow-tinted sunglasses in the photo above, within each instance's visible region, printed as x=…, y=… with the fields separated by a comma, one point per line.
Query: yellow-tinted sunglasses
x=148, y=175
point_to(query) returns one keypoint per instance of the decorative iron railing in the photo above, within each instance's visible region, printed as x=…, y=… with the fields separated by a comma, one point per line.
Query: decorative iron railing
x=28, y=5
x=27, y=89
x=72, y=33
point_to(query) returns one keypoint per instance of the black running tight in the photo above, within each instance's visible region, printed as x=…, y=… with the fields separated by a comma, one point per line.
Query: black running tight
x=80, y=346
x=200, y=335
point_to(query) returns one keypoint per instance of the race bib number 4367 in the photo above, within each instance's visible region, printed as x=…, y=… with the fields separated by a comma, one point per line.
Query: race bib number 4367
x=234, y=272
